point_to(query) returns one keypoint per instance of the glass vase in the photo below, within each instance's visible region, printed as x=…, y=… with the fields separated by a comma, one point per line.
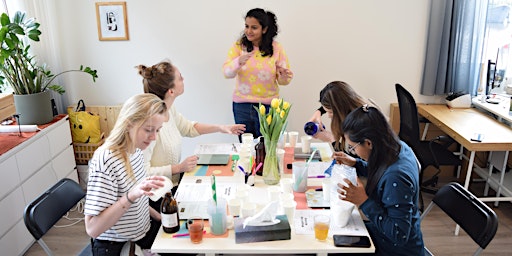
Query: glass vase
x=271, y=175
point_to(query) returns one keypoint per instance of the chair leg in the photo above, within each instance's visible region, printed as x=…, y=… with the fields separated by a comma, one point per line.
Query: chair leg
x=421, y=204
x=45, y=247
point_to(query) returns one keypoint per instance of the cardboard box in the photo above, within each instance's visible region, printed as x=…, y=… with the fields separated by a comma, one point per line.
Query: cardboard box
x=7, y=108
x=250, y=234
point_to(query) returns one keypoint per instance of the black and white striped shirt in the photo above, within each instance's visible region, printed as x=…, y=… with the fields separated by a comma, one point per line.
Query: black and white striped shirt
x=108, y=182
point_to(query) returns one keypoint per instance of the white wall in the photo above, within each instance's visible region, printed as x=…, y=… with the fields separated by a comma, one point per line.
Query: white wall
x=370, y=44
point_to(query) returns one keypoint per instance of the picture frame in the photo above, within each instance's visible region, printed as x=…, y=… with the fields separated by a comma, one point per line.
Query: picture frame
x=112, y=21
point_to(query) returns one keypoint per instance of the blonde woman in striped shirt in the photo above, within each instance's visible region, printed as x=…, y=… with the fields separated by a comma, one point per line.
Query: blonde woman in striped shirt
x=116, y=206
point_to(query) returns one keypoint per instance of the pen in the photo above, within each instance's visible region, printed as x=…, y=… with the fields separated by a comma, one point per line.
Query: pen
x=317, y=176
x=241, y=169
x=234, y=147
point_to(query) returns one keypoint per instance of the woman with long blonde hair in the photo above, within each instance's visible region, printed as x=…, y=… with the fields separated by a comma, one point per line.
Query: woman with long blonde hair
x=116, y=207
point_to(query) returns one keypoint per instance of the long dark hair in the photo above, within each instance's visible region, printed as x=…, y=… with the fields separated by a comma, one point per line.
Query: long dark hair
x=368, y=123
x=267, y=20
x=341, y=98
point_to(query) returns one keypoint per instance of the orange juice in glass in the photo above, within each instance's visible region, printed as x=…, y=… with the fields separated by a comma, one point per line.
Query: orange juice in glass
x=321, y=227
x=195, y=229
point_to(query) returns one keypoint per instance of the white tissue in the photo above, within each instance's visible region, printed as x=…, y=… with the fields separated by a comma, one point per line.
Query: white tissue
x=265, y=217
x=16, y=128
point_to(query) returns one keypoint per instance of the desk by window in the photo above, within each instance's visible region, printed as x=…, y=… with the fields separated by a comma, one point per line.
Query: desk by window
x=227, y=245
x=461, y=124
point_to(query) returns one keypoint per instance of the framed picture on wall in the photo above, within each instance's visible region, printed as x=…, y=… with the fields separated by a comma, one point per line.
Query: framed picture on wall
x=112, y=21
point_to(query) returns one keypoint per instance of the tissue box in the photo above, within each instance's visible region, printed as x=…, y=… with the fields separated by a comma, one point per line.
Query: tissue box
x=7, y=108
x=250, y=234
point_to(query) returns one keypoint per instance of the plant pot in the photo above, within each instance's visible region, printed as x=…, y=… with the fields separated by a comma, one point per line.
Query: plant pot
x=34, y=108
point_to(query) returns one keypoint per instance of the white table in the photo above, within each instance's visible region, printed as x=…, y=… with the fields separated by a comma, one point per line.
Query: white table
x=226, y=245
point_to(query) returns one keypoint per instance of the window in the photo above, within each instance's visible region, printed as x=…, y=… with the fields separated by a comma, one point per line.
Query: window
x=498, y=40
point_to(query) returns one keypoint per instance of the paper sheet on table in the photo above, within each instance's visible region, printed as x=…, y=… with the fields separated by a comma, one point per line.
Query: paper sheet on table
x=317, y=168
x=194, y=192
x=304, y=225
x=220, y=148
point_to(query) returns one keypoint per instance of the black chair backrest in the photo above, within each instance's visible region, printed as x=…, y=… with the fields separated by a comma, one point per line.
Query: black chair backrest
x=475, y=217
x=42, y=213
x=409, y=121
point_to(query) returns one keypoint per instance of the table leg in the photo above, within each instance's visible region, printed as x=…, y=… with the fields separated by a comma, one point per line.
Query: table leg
x=502, y=176
x=468, y=178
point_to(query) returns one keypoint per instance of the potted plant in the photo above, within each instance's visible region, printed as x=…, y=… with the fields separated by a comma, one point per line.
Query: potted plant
x=30, y=82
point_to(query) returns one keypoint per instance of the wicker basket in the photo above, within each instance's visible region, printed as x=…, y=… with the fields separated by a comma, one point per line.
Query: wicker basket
x=84, y=151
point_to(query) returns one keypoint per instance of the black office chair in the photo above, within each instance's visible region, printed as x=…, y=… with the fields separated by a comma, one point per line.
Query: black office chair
x=42, y=213
x=476, y=218
x=429, y=153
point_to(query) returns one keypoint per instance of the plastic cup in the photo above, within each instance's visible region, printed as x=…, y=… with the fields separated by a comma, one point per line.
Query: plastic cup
x=300, y=176
x=273, y=193
x=280, y=160
x=160, y=192
x=292, y=138
x=306, y=143
x=218, y=215
x=248, y=210
x=326, y=189
x=322, y=223
x=195, y=229
x=286, y=185
x=341, y=212
x=234, y=206
x=289, y=209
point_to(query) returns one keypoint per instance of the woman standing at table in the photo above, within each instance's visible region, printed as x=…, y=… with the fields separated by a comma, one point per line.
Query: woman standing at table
x=259, y=64
x=390, y=198
x=116, y=206
x=163, y=156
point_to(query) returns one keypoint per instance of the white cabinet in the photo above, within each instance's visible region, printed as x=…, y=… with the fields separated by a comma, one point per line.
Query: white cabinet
x=28, y=170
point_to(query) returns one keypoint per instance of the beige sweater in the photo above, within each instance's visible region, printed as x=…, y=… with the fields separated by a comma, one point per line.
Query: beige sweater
x=166, y=149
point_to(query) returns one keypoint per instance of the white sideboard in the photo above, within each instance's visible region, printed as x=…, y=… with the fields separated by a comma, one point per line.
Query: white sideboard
x=26, y=171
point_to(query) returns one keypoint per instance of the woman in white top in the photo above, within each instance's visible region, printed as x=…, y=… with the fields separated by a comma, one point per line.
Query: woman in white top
x=163, y=157
x=116, y=205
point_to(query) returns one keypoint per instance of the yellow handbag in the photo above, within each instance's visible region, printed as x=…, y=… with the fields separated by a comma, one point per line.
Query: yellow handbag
x=85, y=126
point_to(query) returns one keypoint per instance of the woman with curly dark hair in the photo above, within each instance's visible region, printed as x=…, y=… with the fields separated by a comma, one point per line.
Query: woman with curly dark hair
x=259, y=64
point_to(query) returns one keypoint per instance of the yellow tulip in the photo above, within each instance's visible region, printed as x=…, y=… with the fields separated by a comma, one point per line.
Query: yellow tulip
x=286, y=105
x=278, y=109
x=282, y=114
x=274, y=103
x=269, y=119
x=262, y=110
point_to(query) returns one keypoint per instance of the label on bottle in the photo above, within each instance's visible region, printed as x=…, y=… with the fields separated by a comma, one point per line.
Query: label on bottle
x=170, y=220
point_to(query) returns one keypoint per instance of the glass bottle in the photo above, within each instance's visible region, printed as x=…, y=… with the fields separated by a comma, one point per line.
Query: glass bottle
x=311, y=128
x=260, y=155
x=169, y=211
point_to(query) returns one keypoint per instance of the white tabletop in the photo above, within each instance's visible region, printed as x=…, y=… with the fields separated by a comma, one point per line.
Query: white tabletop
x=165, y=243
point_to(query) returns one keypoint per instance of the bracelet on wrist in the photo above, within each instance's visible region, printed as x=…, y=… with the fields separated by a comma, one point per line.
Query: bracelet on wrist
x=127, y=198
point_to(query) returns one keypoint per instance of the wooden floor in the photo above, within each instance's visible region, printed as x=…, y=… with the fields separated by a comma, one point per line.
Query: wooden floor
x=437, y=231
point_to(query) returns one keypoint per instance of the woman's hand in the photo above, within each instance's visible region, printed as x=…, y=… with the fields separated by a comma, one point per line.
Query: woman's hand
x=244, y=57
x=235, y=129
x=145, y=187
x=284, y=73
x=188, y=164
x=317, y=118
x=325, y=136
x=343, y=158
x=354, y=194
